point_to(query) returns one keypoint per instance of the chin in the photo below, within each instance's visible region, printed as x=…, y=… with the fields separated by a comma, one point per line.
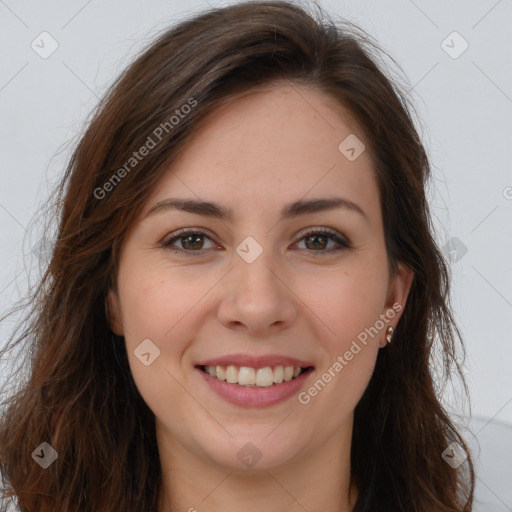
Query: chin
x=252, y=455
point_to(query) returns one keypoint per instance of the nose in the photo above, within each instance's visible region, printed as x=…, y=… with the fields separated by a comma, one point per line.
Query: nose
x=256, y=298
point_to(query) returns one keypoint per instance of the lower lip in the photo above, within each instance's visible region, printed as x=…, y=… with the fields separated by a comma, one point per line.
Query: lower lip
x=256, y=397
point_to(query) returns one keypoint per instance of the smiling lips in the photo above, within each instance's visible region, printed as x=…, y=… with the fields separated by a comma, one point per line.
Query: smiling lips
x=252, y=381
x=261, y=371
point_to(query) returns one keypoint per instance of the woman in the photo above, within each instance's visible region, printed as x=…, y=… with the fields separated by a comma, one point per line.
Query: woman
x=245, y=292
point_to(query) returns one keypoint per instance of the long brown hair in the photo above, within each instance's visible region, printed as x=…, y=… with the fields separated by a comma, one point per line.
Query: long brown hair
x=78, y=394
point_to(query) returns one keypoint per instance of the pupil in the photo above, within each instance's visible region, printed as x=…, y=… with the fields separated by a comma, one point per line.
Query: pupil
x=316, y=237
x=196, y=238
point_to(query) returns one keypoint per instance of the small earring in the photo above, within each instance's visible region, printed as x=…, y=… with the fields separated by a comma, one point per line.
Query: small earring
x=389, y=334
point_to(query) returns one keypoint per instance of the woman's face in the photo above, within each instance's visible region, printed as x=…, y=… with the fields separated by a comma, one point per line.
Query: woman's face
x=258, y=277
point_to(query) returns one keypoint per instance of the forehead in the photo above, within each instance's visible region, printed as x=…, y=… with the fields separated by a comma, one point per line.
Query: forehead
x=273, y=145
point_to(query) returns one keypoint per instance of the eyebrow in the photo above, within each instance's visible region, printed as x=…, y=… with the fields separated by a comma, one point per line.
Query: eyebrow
x=295, y=209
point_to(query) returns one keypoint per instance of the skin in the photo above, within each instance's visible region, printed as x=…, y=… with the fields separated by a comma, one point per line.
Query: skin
x=255, y=155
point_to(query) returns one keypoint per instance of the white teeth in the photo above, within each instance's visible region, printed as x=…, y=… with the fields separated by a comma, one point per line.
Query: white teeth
x=288, y=373
x=231, y=374
x=247, y=376
x=264, y=377
x=221, y=374
x=278, y=374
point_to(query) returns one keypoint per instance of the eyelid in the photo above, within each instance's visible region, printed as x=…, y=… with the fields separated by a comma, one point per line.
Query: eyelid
x=176, y=235
x=341, y=240
x=320, y=229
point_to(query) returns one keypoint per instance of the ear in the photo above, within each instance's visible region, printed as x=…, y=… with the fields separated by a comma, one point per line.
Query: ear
x=114, y=316
x=398, y=291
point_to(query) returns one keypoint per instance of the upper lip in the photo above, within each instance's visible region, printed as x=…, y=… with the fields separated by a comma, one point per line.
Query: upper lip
x=255, y=361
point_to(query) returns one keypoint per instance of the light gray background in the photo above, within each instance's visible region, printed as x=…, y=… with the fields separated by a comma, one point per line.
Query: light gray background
x=465, y=104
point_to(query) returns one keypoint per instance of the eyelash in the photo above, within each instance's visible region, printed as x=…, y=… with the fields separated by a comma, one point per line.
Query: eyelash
x=343, y=243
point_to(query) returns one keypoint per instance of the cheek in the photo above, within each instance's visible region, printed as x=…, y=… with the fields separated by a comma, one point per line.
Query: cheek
x=155, y=308
x=346, y=302
x=155, y=300
x=165, y=305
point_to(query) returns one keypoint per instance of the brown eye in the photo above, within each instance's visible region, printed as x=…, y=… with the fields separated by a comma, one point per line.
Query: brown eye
x=188, y=242
x=318, y=241
x=194, y=242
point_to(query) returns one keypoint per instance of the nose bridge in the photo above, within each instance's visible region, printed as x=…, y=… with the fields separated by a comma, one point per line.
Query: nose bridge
x=254, y=278
x=257, y=297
